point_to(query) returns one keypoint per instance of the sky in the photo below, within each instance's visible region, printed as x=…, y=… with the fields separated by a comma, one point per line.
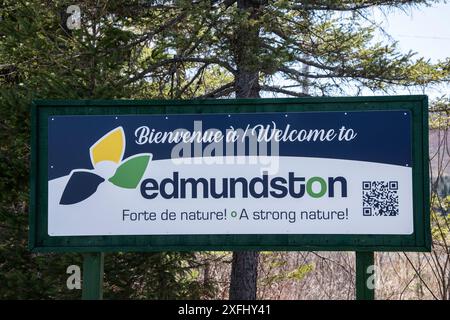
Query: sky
x=425, y=30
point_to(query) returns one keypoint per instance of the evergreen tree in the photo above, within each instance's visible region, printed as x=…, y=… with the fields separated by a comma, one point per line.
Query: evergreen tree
x=41, y=58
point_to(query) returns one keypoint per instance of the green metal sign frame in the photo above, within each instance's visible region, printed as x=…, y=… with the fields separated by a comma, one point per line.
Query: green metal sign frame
x=40, y=241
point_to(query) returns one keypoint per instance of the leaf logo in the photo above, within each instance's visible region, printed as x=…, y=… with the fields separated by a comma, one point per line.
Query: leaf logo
x=105, y=154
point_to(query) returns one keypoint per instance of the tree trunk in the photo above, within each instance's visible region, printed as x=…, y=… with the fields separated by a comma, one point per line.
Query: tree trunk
x=244, y=269
x=244, y=274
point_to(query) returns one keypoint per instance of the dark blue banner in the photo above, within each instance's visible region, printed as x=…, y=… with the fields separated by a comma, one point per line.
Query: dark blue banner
x=373, y=136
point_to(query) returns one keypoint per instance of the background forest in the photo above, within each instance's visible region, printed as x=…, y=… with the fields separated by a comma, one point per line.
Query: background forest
x=208, y=49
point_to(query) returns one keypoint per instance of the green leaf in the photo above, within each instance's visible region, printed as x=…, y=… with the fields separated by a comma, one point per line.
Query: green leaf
x=129, y=173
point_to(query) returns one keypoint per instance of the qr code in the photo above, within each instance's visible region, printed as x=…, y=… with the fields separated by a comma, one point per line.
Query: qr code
x=380, y=198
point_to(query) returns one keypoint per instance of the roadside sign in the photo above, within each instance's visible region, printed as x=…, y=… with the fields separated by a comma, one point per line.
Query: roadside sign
x=265, y=174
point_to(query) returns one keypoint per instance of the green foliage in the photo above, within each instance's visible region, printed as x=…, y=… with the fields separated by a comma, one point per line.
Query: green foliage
x=296, y=274
x=299, y=273
x=153, y=276
x=338, y=48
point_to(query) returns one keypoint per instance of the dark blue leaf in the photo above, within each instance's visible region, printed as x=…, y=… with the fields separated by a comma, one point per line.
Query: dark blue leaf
x=80, y=186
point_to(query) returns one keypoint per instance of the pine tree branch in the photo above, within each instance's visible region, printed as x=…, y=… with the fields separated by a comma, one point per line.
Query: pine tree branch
x=284, y=91
x=219, y=92
x=349, y=5
x=207, y=61
x=197, y=74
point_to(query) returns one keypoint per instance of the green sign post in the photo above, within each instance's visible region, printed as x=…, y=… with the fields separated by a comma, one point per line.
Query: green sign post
x=364, y=272
x=311, y=174
x=93, y=276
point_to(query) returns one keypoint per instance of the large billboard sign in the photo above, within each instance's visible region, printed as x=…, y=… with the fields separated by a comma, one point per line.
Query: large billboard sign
x=276, y=174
